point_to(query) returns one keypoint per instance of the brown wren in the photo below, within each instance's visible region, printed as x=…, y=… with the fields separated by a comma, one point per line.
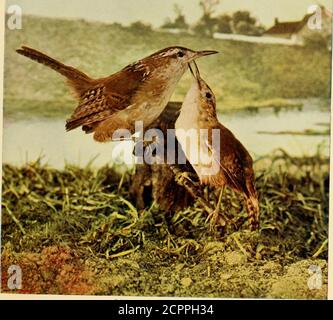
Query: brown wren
x=140, y=91
x=231, y=165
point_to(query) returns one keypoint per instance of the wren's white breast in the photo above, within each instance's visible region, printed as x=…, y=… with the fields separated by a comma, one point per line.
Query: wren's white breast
x=189, y=112
x=187, y=130
x=193, y=138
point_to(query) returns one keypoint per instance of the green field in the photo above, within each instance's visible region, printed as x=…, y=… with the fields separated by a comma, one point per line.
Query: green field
x=242, y=75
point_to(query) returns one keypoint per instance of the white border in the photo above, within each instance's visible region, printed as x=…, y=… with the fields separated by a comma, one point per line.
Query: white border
x=76, y=297
x=2, y=44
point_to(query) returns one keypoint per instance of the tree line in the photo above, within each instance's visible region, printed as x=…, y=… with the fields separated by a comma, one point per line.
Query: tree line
x=239, y=22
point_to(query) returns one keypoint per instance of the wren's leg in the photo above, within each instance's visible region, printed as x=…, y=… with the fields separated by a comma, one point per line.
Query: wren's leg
x=184, y=179
x=217, y=217
x=218, y=206
x=185, y=176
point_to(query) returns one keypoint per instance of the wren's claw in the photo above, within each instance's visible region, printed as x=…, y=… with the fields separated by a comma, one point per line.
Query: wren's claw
x=140, y=147
x=184, y=177
x=145, y=148
x=216, y=218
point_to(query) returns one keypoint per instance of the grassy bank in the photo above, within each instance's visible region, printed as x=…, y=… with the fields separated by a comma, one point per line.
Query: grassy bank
x=77, y=231
x=242, y=75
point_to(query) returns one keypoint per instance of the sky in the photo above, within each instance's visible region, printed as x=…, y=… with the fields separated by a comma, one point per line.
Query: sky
x=156, y=11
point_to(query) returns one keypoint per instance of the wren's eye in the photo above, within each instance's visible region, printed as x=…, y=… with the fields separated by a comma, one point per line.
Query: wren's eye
x=208, y=95
x=180, y=54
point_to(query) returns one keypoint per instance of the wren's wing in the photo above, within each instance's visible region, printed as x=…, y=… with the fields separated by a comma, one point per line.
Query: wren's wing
x=95, y=105
x=106, y=96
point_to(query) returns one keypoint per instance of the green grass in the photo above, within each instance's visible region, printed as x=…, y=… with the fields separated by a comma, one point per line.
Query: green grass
x=242, y=75
x=78, y=231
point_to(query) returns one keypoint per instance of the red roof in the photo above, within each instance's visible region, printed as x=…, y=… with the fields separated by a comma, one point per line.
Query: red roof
x=288, y=27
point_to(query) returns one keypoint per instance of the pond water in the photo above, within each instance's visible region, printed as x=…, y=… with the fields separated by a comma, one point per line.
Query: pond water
x=26, y=140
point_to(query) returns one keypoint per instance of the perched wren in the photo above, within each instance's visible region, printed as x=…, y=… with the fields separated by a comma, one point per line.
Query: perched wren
x=139, y=91
x=231, y=164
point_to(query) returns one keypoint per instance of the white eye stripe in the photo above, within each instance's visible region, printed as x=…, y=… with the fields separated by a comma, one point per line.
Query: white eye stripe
x=170, y=52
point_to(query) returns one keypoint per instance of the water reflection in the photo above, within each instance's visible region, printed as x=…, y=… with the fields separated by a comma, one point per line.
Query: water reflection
x=29, y=139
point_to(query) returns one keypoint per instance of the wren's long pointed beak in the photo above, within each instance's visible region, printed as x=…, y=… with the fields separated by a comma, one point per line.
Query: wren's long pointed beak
x=203, y=53
x=195, y=74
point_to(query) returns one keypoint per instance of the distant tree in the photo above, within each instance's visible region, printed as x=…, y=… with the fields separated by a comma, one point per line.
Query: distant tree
x=140, y=26
x=167, y=24
x=207, y=24
x=248, y=29
x=117, y=25
x=243, y=16
x=244, y=23
x=179, y=22
x=224, y=24
x=208, y=6
x=240, y=22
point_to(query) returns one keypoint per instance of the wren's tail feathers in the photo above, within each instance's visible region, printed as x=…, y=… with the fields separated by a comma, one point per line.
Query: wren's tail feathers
x=252, y=207
x=77, y=79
